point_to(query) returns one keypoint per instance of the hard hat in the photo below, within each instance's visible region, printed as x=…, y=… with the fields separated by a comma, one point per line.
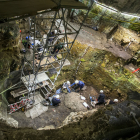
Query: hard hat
x=68, y=82
x=57, y=96
x=101, y=91
x=76, y=82
x=115, y=100
x=55, y=31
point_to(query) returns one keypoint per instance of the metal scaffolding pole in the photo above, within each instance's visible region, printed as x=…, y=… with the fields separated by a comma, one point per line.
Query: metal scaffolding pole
x=59, y=18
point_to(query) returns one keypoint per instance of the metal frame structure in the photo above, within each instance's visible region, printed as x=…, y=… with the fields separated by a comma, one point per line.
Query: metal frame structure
x=30, y=69
x=56, y=64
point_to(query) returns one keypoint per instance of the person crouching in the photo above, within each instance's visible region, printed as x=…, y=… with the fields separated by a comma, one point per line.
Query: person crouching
x=56, y=100
x=79, y=85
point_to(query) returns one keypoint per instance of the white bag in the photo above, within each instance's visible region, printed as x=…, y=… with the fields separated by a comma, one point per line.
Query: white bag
x=85, y=104
x=83, y=98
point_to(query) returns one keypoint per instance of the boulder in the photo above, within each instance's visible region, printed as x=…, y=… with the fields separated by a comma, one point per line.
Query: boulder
x=74, y=102
x=77, y=116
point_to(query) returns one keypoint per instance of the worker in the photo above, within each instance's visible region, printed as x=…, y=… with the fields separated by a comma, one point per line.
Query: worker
x=112, y=102
x=66, y=84
x=93, y=100
x=66, y=87
x=57, y=48
x=24, y=42
x=79, y=84
x=52, y=36
x=72, y=15
x=95, y=28
x=56, y=100
x=101, y=98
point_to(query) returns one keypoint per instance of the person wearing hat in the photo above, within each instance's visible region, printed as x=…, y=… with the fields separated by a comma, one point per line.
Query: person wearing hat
x=101, y=98
x=113, y=102
x=66, y=87
x=51, y=38
x=56, y=100
x=57, y=48
x=79, y=84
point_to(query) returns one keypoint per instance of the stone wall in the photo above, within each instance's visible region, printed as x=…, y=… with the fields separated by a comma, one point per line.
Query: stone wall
x=102, y=70
x=106, y=20
x=112, y=122
x=131, y=6
x=9, y=50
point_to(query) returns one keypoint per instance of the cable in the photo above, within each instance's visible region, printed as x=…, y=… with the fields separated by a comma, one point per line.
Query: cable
x=10, y=88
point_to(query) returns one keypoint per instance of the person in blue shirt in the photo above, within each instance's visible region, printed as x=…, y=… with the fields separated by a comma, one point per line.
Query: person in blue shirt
x=79, y=84
x=56, y=100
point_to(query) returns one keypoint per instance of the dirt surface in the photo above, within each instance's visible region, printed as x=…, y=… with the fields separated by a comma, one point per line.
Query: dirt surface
x=55, y=115
x=89, y=91
x=99, y=40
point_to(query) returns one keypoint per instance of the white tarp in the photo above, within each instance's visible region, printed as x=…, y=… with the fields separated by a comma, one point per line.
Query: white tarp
x=83, y=98
x=85, y=104
x=39, y=78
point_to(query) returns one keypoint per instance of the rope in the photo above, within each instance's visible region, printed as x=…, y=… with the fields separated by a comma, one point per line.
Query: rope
x=81, y=58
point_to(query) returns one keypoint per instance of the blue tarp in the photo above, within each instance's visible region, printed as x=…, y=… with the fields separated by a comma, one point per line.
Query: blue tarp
x=58, y=91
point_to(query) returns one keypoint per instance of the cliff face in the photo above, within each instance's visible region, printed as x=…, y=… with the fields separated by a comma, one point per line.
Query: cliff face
x=131, y=6
x=9, y=50
x=110, y=123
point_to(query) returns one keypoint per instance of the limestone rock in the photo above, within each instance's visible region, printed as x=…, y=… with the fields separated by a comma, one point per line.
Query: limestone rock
x=123, y=5
x=59, y=56
x=48, y=127
x=124, y=36
x=77, y=116
x=74, y=102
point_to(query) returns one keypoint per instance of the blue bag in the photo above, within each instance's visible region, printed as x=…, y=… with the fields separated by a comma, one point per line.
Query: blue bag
x=58, y=91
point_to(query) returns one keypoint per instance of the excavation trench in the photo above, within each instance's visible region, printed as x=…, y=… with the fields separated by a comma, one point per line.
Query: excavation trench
x=96, y=69
x=105, y=65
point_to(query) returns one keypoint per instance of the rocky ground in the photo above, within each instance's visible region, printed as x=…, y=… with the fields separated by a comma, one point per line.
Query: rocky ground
x=110, y=123
x=102, y=67
x=96, y=39
x=70, y=102
x=107, y=66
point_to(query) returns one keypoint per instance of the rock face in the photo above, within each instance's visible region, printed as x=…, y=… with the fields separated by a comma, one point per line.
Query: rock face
x=131, y=6
x=113, y=122
x=74, y=102
x=9, y=61
x=77, y=116
x=107, y=20
x=124, y=36
x=9, y=50
x=102, y=70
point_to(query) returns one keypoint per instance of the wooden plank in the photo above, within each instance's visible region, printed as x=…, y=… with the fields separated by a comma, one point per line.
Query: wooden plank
x=19, y=93
x=43, y=61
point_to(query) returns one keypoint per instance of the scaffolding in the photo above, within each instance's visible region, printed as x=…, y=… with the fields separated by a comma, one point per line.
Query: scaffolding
x=38, y=73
